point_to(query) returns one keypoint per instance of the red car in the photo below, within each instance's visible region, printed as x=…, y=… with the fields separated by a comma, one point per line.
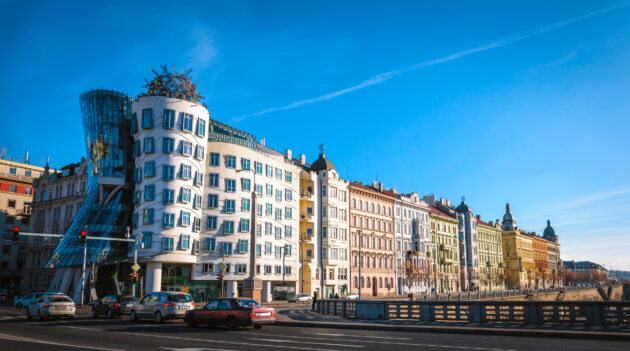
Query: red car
x=231, y=312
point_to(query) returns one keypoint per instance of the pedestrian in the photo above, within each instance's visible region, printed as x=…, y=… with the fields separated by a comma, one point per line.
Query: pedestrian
x=330, y=296
x=314, y=301
x=336, y=296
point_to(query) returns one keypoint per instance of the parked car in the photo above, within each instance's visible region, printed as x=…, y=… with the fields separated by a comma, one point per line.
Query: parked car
x=51, y=306
x=28, y=299
x=4, y=295
x=301, y=298
x=113, y=306
x=232, y=313
x=161, y=306
x=352, y=297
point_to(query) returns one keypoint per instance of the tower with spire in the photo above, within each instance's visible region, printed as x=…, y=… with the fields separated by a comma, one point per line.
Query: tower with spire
x=509, y=223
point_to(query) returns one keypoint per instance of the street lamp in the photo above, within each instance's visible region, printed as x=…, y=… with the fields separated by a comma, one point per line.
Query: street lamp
x=360, y=261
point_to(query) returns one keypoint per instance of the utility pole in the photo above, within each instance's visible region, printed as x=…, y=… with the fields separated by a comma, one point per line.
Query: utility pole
x=84, y=242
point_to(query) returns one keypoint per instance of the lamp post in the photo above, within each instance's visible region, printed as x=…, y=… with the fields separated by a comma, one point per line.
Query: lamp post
x=360, y=261
x=489, y=265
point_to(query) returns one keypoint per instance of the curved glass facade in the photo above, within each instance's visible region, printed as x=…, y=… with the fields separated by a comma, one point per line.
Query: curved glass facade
x=106, y=210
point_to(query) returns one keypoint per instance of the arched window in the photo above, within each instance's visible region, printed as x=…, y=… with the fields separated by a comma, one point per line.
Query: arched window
x=368, y=282
x=378, y=209
x=354, y=203
x=356, y=281
x=372, y=207
x=380, y=282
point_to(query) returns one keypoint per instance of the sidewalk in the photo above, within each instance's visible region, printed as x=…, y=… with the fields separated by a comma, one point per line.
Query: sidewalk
x=308, y=319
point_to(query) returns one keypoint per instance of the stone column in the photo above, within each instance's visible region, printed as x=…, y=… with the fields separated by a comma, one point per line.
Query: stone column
x=232, y=288
x=153, y=277
x=266, y=291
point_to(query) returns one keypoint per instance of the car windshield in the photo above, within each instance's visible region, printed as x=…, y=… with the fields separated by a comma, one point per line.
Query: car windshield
x=247, y=303
x=128, y=299
x=180, y=298
x=59, y=299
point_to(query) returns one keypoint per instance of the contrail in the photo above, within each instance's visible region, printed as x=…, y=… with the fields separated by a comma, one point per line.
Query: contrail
x=384, y=77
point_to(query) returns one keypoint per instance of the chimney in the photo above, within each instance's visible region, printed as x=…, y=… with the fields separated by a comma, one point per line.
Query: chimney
x=26, y=159
x=303, y=159
x=380, y=186
x=374, y=185
x=394, y=191
x=289, y=154
x=4, y=152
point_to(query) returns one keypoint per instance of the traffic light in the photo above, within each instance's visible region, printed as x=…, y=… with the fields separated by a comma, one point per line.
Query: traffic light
x=16, y=234
x=220, y=275
x=83, y=237
x=134, y=278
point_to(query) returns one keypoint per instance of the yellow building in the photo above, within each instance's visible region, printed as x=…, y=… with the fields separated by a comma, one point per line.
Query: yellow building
x=444, y=254
x=490, y=246
x=518, y=254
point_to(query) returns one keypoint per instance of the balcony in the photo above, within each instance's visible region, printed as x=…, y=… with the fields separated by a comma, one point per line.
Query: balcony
x=306, y=194
x=308, y=217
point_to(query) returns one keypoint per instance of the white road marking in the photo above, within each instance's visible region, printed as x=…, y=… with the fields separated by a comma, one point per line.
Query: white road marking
x=390, y=342
x=194, y=349
x=37, y=341
x=364, y=336
x=304, y=342
x=227, y=342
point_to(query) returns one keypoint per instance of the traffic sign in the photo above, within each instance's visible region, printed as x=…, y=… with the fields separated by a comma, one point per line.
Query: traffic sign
x=222, y=266
x=135, y=267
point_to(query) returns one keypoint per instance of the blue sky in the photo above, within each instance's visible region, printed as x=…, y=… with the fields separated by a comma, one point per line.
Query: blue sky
x=496, y=101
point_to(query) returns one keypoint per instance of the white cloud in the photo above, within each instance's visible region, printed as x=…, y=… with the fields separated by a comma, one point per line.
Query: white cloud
x=204, y=51
x=383, y=77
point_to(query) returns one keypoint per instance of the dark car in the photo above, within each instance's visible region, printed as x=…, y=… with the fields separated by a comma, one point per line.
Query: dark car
x=113, y=306
x=231, y=312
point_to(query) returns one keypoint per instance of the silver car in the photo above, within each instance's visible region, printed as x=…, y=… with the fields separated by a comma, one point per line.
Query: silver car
x=51, y=306
x=161, y=306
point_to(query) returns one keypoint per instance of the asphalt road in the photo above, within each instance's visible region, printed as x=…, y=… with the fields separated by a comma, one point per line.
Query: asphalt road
x=16, y=333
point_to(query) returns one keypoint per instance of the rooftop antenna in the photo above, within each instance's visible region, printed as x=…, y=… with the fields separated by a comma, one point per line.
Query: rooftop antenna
x=463, y=198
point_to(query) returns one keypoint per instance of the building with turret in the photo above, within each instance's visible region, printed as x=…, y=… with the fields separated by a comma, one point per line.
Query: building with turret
x=518, y=254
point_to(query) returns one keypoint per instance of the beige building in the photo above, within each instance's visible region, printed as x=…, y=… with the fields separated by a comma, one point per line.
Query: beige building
x=490, y=255
x=16, y=194
x=444, y=254
x=371, y=232
x=58, y=195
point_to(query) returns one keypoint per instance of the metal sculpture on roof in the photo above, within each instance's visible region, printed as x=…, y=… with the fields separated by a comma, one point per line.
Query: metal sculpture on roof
x=173, y=84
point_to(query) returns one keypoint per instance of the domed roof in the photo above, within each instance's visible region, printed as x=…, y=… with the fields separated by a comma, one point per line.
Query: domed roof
x=322, y=164
x=463, y=207
x=549, y=233
x=509, y=223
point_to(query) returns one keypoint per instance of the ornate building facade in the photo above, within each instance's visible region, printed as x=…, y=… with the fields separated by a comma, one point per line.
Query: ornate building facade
x=444, y=254
x=491, y=274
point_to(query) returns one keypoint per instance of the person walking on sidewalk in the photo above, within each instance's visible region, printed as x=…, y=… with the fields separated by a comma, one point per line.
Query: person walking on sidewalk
x=314, y=302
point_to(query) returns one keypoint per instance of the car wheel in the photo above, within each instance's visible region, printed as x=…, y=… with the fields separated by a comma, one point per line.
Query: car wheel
x=232, y=323
x=110, y=315
x=190, y=321
x=28, y=315
x=132, y=316
x=94, y=313
x=19, y=305
x=158, y=317
x=258, y=326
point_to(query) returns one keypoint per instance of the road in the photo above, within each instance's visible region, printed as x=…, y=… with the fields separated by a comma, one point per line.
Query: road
x=16, y=333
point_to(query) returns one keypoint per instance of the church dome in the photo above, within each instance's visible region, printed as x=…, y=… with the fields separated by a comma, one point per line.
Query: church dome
x=549, y=233
x=322, y=164
x=463, y=207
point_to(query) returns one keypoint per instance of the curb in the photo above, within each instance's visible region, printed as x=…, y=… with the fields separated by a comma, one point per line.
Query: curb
x=593, y=335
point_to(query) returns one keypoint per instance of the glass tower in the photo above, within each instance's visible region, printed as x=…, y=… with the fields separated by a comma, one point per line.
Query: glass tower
x=106, y=210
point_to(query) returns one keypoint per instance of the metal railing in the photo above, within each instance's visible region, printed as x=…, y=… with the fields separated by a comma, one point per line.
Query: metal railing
x=584, y=313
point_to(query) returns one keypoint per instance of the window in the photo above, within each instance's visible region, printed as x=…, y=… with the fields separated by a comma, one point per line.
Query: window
x=147, y=118
x=258, y=250
x=278, y=174
x=27, y=173
x=259, y=167
x=167, y=245
x=169, y=119
x=187, y=122
x=201, y=127
x=278, y=233
x=208, y=267
x=168, y=172
x=259, y=210
x=268, y=228
x=185, y=195
x=241, y=268
x=258, y=229
x=199, y=152
x=214, y=159
x=149, y=192
x=267, y=269
x=278, y=195
x=186, y=172
x=288, y=213
x=267, y=248
x=227, y=249
x=242, y=246
x=268, y=209
x=147, y=239
x=269, y=189
x=212, y=222
x=228, y=227
x=210, y=244
x=137, y=198
x=149, y=169
x=244, y=164
x=168, y=144
x=187, y=148
x=168, y=196
x=185, y=218
x=259, y=190
x=287, y=250
x=245, y=205
x=29, y=191
x=137, y=148
x=11, y=204
x=288, y=231
x=229, y=206
x=288, y=177
x=168, y=220
x=288, y=194
x=230, y=161
x=245, y=184
x=198, y=181
x=278, y=268
x=213, y=180
x=230, y=185
x=138, y=178
x=244, y=225
x=148, y=146
x=213, y=201
x=184, y=242
x=323, y=190
x=269, y=171
x=147, y=216
x=12, y=170
x=197, y=201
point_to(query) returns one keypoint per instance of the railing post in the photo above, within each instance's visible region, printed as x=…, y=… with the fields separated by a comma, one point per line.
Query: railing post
x=474, y=311
x=596, y=314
